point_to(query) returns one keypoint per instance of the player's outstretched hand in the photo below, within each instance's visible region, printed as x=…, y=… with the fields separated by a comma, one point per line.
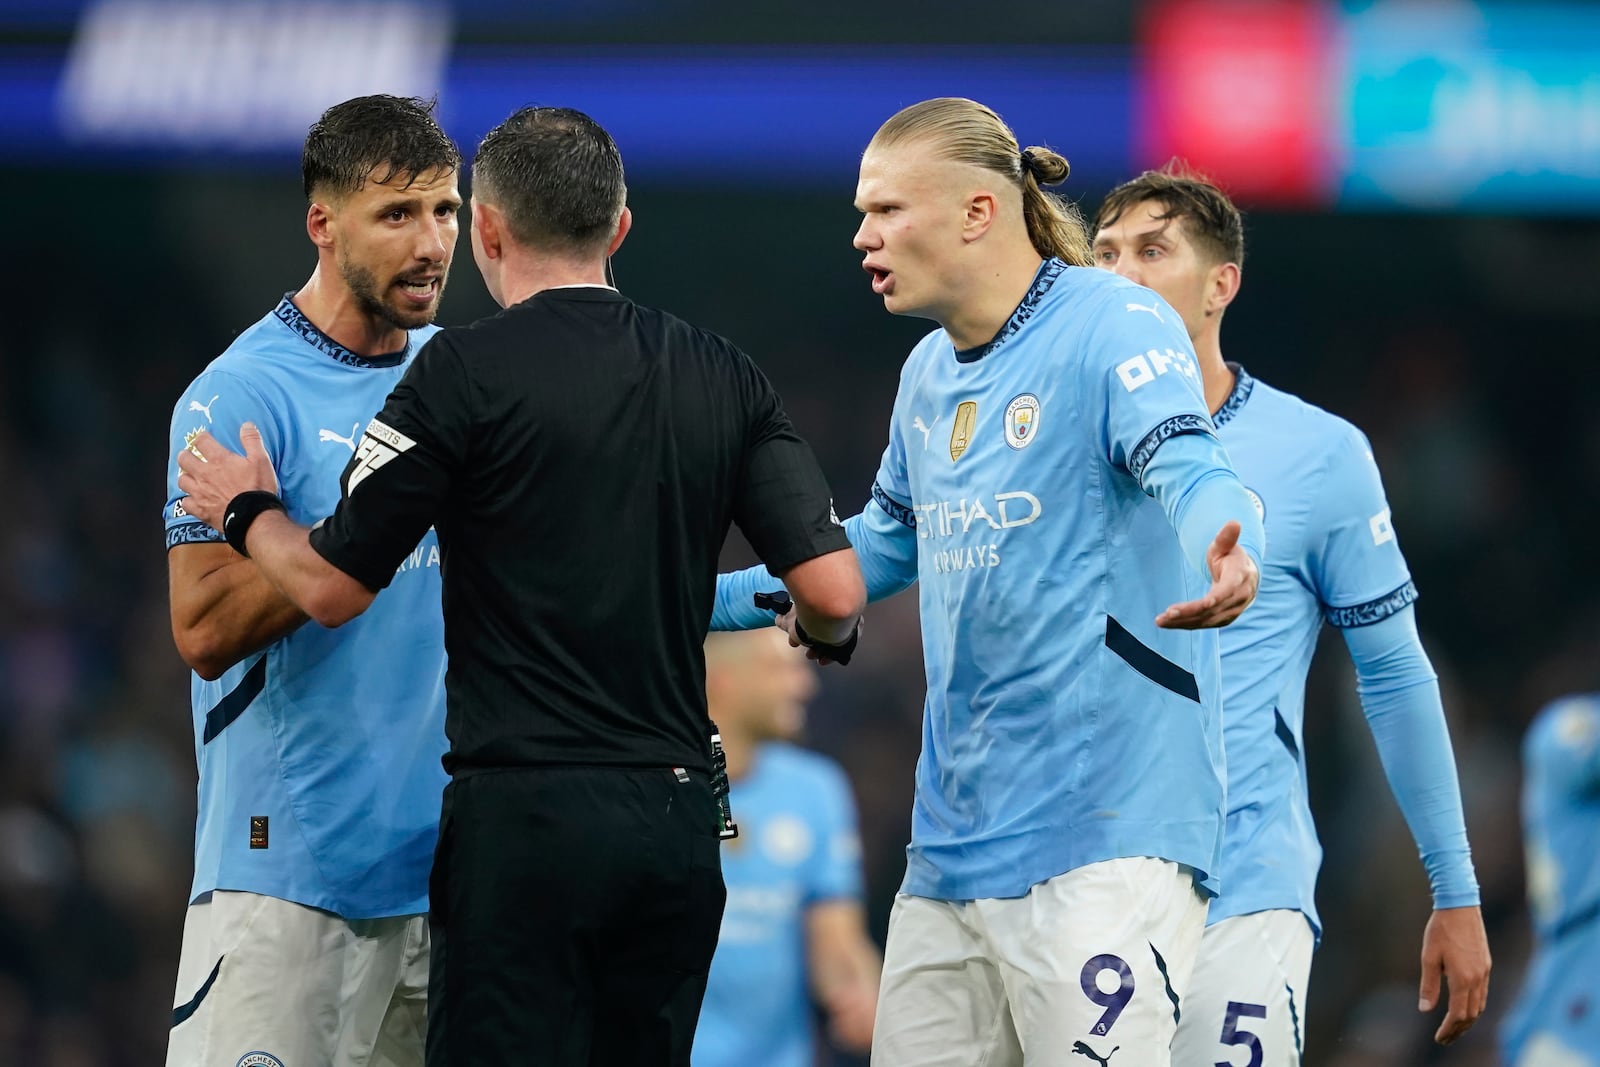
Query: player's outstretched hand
x=1234, y=578
x=212, y=474
x=1455, y=946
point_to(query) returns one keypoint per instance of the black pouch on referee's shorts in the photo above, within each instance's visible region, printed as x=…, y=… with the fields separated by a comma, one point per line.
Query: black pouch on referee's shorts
x=726, y=827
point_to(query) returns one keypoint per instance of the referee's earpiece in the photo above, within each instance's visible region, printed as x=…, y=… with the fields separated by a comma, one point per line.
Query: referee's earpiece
x=611, y=277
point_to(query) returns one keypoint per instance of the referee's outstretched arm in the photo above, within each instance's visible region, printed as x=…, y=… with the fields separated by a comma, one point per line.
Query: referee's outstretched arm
x=829, y=595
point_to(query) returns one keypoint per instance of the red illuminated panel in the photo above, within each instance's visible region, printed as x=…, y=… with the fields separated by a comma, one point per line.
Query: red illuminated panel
x=1243, y=90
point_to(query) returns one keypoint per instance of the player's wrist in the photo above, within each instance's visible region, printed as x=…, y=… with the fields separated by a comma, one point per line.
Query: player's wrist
x=242, y=512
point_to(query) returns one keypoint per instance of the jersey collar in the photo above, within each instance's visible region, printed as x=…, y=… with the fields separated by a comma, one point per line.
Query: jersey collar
x=1043, y=279
x=1243, y=386
x=292, y=317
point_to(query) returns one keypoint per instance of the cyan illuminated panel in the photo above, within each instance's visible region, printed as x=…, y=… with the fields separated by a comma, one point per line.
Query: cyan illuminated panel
x=1489, y=108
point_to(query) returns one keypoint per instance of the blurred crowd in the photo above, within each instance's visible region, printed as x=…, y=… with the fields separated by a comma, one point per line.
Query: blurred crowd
x=1475, y=385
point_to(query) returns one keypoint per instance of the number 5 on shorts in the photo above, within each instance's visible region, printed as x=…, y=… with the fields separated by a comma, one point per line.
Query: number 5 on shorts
x=1234, y=1034
x=1114, y=1001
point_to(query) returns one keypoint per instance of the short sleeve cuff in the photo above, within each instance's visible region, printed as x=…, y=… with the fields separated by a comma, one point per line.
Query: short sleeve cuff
x=1374, y=610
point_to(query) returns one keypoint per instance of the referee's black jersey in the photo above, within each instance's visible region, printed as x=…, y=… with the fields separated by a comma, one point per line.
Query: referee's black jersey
x=581, y=457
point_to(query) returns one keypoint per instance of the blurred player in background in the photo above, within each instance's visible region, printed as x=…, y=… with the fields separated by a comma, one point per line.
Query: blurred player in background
x=794, y=928
x=1045, y=444
x=319, y=750
x=1556, y=1020
x=1331, y=554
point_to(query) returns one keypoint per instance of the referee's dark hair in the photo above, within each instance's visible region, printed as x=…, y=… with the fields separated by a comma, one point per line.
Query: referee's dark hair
x=380, y=137
x=555, y=175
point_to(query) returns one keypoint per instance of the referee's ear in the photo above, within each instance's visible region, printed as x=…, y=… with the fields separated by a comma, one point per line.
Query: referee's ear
x=624, y=224
x=486, y=227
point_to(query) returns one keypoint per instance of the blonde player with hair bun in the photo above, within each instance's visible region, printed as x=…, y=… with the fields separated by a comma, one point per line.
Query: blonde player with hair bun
x=1052, y=484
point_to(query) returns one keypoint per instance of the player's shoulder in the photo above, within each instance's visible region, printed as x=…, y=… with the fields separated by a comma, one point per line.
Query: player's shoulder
x=1311, y=427
x=1112, y=299
x=1568, y=723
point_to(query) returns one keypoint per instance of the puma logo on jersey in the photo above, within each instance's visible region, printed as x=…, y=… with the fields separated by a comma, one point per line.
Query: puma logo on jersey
x=1154, y=309
x=1084, y=1050
x=348, y=442
x=204, y=409
x=925, y=427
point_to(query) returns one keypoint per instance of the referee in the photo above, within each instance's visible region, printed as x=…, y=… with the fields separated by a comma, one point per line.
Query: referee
x=581, y=458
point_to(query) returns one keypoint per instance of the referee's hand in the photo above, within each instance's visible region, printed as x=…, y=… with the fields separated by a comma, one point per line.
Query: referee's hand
x=786, y=623
x=212, y=474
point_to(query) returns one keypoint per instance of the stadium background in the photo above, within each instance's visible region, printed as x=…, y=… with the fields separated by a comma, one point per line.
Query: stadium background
x=1422, y=181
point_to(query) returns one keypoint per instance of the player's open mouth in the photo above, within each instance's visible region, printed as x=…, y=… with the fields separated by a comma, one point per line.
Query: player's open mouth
x=419, y=292
x=881, y=280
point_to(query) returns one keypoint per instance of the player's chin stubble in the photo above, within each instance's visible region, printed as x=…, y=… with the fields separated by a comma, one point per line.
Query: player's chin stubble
x=363, y=285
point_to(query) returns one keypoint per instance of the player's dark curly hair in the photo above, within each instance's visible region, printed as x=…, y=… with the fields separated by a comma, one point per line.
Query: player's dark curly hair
x=1213, y=222
x=557, y=177
x=969, y=132
x=380, y=138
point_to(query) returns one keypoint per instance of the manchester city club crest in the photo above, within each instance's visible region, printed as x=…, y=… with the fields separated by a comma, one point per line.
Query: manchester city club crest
x=1022, y=420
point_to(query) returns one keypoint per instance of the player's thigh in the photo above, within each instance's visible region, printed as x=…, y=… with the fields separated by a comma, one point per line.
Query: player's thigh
x=1095, y=961
x=1246, y=1004
x=941, y=1002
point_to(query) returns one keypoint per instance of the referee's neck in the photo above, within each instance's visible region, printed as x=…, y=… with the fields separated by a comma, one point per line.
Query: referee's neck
x=525, y=273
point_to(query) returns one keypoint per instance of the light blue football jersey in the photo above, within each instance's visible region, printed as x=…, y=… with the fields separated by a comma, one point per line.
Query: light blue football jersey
x=319, y=757
x=1559, y=1005
x=1062, y=727
x=1332, y=554
x=797, y=846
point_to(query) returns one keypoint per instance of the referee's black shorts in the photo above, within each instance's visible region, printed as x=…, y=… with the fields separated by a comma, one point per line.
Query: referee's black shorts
x=574, y=914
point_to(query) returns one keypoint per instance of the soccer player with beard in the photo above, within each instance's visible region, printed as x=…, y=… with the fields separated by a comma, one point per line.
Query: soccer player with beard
x=319, y=750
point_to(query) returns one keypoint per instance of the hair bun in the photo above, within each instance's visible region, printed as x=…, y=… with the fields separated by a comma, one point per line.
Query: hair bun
x=1047, y=167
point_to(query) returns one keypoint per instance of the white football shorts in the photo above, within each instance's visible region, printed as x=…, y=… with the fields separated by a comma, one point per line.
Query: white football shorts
x=264, y=982
x=1247, y=1000
x=1088, y=969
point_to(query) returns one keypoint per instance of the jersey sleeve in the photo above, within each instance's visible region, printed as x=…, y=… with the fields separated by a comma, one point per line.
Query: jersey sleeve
x=835, y=870
x=218, y=402
x=396, y=484
x=885, y=550
x=1400, y=697
x=1354, y=559
x=782, y=503
x=1141, y=370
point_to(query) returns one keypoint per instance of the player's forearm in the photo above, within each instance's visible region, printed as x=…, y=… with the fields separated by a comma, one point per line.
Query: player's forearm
x=1400, y=697
x=282, y=550
x=885, y=549
x=1192, y=480
x=843, y=965
x=222, y=614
